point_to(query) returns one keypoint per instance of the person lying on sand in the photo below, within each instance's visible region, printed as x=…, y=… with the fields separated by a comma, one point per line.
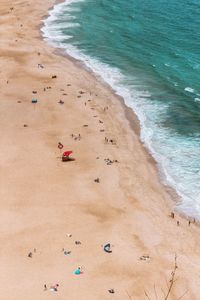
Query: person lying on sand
x=66, y=252
x=54, y=288
x=61, y=102
x=77, y=243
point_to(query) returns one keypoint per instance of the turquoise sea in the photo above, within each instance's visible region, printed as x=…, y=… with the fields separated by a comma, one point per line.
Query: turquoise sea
x=149, y=52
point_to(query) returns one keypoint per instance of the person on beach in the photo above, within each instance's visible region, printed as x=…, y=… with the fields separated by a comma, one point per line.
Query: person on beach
x=67, y=252
x=77, y=243
x=61, y=102
x=54, y=288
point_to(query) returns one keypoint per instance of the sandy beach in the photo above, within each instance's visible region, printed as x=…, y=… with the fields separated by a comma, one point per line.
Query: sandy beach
x=56, y=216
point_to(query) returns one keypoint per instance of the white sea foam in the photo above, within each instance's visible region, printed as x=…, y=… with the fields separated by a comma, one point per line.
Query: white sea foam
x=52, y=30
x=169, y=150
x=189, y=89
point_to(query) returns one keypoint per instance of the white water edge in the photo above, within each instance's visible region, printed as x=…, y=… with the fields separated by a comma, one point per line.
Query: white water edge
x=148, y=114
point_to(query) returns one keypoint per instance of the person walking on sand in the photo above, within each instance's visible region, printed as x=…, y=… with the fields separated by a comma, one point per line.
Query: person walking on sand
x=30, y=254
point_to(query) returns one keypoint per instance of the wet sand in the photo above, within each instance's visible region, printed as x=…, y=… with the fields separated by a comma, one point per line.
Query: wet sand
x=47, y=205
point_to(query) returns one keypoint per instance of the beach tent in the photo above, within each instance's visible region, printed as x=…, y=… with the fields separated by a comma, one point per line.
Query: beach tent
x=107, y=248
x=77, y=271
x=34, y=100
x=65, y=156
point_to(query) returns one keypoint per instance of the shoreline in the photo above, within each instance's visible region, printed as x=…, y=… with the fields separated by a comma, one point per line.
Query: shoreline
x=59, y=212
x=130, y=115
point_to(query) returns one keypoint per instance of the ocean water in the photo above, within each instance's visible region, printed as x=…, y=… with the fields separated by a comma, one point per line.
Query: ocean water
x=149, y=53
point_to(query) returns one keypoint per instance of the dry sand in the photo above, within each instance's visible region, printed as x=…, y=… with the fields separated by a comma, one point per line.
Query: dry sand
x=44, y=199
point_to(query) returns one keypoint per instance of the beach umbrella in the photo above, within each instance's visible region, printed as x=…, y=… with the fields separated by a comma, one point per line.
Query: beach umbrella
x=65, y=156
x=67, y=153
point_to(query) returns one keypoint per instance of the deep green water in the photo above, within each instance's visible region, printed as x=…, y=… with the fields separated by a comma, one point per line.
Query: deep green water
x=149, y=52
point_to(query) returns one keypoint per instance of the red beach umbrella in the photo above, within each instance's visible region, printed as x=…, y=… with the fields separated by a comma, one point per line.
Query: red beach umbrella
x=65, y=156
x=67, y=153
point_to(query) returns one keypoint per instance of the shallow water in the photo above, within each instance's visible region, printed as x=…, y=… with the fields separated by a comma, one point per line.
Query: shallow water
x=149, y=52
